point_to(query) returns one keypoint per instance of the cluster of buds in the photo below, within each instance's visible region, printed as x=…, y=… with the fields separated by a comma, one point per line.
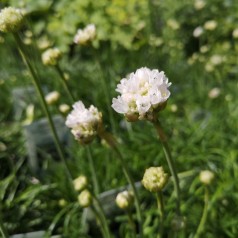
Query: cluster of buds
x=51, y=56
x=155, y=179
x=143, y=94
x=85, y=35
x=11, y=19
x=125, y=199
x=84, y=123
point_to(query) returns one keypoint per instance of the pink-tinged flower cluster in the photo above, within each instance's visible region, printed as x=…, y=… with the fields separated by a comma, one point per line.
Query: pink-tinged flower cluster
x=142, y=93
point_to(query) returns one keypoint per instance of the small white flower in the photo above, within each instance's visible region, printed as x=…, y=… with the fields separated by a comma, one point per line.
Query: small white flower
x=10, y=19
x=52, y=97
x=84, y=122
x=173, y=24
x=80, y=183
x=214, y=93
x=51, y=56
x=142, y=93
x=198, y=31
x=210, y=25
x=204, y=48
x=206, y=177
x=64, y=108
x=235, y=33
x=85, y=35
x=199, y=4
x=216, y=59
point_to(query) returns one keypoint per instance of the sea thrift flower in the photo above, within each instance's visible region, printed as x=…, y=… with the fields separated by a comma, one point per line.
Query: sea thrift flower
x=142, y=94
x=210, y=25
x=85, y=35
x=214, y=93
x=155, y=179
x=84, y=122
x=64, y=108
x=206, y=177
x=51, y=56
x=52, y=97
x=198, y=31
x=124, y=199
x=199, y=4
x=85, y=198
x=11, y=19
x=235, y=33
x=80, y=183
x=216, y=59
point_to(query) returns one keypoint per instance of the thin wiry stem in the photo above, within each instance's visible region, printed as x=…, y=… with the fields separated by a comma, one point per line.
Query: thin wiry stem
x=42, y=100
x=204, y=215
x=113, y=144
x=170, y=162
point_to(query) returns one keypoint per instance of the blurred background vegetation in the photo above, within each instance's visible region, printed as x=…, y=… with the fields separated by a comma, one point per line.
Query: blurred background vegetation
x=194, y=42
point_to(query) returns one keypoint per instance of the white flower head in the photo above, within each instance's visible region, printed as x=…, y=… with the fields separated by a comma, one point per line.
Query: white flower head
x=142, y=93
x=206, y=177
x=198, y=31
x=51, y=56
x=124, y=199
x=199, y=4
x=52, y=97
x=210, y=25
x=85, y=35
x=84, y=123
x=10, y=19
x=235, y=33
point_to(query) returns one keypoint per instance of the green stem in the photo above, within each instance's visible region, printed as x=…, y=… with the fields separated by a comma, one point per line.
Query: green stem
x=170, y=162
x=160, y=203
x=42, y=99
x=65, y=84
x=98, y=217
x=93, y=170
x=204, y=215
x=3, y=230
x=113, y=144
x=102, y=216
x=131, y=222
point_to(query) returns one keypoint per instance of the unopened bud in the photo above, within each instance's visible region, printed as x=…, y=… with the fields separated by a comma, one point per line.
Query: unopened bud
x=80, y=183
x=51, y=56
x=206, y=177
x=124, y=199
x=85, y=198
x=155, y=179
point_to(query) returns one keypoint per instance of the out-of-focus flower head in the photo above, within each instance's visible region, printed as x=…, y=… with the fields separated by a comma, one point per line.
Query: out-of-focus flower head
x=11, y=19
x=52, y=97
x=206, y=177
x=142, y=94
x=124, y=199
x=85, y=35
x=80, y=183
x=84, y=123
x=198, y=31
x=85, y=198
x=199, y=4
x=210, y=25
x=51, y=56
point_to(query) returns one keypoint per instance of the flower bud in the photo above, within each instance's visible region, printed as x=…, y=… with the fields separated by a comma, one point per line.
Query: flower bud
x=10, y=19
x=64, y=108
x=51, y=56
x=85, y=198
x=80, y=183
x=155, y=179
x=52, y=97
x=206, y=177
x=124, y=199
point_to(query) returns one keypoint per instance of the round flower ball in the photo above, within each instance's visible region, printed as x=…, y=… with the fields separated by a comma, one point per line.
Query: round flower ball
x=155, y=179
x=85, y=198
x=84, y=123
x=142, y=94
x=51, y=56
x=124, y=199
x=11, y=19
